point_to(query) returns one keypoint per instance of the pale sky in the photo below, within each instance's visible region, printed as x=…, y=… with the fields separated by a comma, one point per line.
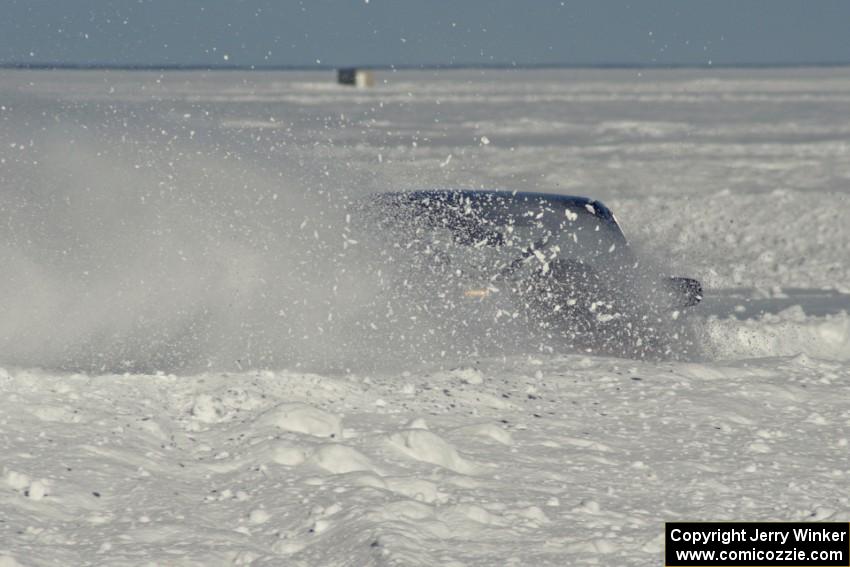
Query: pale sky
x=424, y=32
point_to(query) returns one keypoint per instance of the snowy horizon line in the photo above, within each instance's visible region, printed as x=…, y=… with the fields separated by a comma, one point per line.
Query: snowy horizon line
x=13, y=65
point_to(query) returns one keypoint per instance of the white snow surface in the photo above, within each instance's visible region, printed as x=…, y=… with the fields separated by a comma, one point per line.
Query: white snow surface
x=186, y=380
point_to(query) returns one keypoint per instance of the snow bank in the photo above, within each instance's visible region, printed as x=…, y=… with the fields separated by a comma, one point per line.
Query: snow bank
x=577, y=466
x=787, y=333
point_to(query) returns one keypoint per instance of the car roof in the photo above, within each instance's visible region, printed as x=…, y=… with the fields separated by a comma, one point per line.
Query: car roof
x=485, y=199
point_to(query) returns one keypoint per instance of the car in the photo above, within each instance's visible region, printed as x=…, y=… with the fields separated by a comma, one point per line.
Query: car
x=560, y=264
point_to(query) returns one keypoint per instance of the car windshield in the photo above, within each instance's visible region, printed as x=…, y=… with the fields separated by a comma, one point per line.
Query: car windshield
x=492, y=233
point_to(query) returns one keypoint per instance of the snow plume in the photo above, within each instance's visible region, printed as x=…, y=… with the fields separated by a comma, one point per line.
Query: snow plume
x=131, y=256
x=137, y=257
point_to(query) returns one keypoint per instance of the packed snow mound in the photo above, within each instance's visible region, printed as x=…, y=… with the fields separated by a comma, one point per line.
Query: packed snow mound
x=304, y=419
x=423, y=445
x=340, y=459
x=787, y=333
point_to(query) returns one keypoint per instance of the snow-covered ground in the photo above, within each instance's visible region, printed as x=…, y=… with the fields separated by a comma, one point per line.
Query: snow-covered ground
x=187, y=381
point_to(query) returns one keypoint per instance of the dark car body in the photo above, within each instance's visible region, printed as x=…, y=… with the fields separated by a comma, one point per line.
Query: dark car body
x=561, y=262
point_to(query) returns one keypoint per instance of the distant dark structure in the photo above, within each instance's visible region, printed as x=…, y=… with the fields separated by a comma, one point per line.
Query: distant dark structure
x=355, y=77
